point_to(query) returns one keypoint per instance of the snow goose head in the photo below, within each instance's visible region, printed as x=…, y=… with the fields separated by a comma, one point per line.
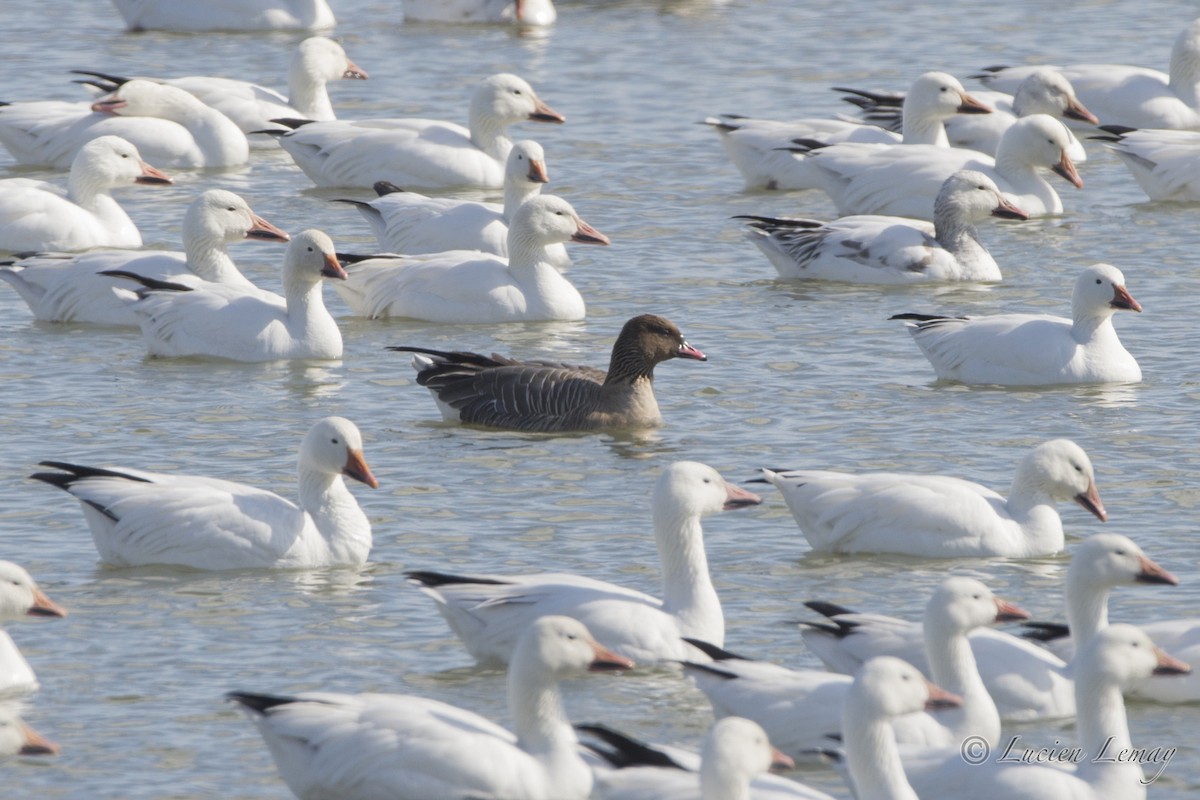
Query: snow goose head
x=962, y=604
x=1061, y=469
x=506, y=98
x=1046, y=91
x=691, y=489
x=735, y=751
x=1100, y=292
x=1123, y=656
x=20, y=595
x=546, y=220
x=886, y=687
x=1039, y=140
x=526, y=166
x=971, y=195
x=334, y=446
x=319, y=59
x=145, y=98
x=939, y=95
x=1105, y=560
x=554, y=648
x=112, y=161
x=310, y=257
x=221, y=216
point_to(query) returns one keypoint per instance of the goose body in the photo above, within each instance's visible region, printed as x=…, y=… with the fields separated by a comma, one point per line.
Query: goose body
x=404, y=747
x=489, y=612
x=801, y=709
x=219, y=320
x=467, y=286
x=1043, y=91
x=1165, y=163
x=409, y=222
x=521, y=12
x=941, y=516
x=891, y=250
x=1135, y=97
x=904, y=181
x=315, y=62
x=546, y=396
x=40, y=216
x=168, y=126
x=73, y=288
x=139, y=518
x=1025, y=682
x=225, y=15
x=420, y=153
x=759, y=148
x=1036, y=349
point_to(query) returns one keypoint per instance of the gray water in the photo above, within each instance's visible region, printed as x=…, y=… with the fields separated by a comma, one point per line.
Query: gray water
x=798, y=376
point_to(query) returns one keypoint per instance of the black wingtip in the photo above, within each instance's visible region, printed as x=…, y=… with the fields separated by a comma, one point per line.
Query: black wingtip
x=712, y=651
x=145, y=282
x=260, y=703
x=292, y=122
x=385, y=187
x=827, y=609
x=627, y=751
x=1045, y=631
x=434, y=579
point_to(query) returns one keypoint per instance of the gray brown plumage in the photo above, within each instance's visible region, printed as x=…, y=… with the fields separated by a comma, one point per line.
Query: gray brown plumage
x=546, y=396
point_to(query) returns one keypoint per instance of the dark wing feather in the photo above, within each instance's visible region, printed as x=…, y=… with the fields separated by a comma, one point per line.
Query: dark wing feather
x=529, y=397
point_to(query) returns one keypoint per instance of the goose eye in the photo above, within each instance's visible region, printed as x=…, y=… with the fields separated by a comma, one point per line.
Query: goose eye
x=571, y=637
x=124, y=155
x=310, y=249
x=517, y=92
x=1120, y=551
x=975, y=597
x=708, y=480
x=1098, y=281
x=334, y=441
x=230, y=208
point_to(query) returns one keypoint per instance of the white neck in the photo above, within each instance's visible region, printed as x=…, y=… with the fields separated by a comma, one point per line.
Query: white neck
x=220, y=140
x=960, y=238
x=542, y=727
x=1092, y=324
x=308, y=94
x=923, y=129
x=490, y=135
x=339, y=519
x=872, y=756
x=547, y=293
x=1087, y=608
x=308, y=320
x=687, y=590
x=516, y=193
x=208, y=257
x=1103, y=734
x=1185, y=75
x=720, y=781
x=1033, y=509
x=94, y=196
x=952, y=666
x=1023, y=178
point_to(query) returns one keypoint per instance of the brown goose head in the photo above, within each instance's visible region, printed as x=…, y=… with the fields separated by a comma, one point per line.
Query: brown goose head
x=645, y=341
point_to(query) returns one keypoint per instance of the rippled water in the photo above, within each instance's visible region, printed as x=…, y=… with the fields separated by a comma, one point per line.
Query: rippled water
x=798, y=375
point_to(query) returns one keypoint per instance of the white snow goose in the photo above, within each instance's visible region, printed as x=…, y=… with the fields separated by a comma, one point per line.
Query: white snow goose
x=937, y=516
x=409, y=222
x=1120, y=657
x=139, y=518
x=169, y=127
x=488, y=612
x=758, y=147
x=467, y=286
x=225, y=15
x=219, y=320
x=731, y=766
x=73, y=288
x=420, y=153
x=800, y=709
x=1035, y=349
x=1026, y=683
x=315, y=62
x=520, y=12
x=19, y=597
x=35, y=215
x=1044, y=91
x=904, y=181
x=1133, y=96
x=548, y=396
x=17, y=738
x=404, y=747
x=1163, y=162
x=891, y=250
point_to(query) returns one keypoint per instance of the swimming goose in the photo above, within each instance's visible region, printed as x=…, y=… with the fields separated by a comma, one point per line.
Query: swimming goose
x=218, y=320
x=758, y=147
x=1044, y=91
x=1163, y=162
x=139, y=518
x=731, y=766
x=1136, y=97
x=404, y=747
x=225, y=15
x=408, y=222
x=1119, y=657
x=891, y=250
x=467, y=286
x=938, y=516
x=17, y=738
x=884, y=689
x=1026, y=682
x=1036, y=349
x=420, y=153
x=488, y=612
x=73, y=288
x=35, y=215
x=522, y=12
x=547, y=396
x=904, y=181
x=19, y=597
x=316, y=61
x=169, y=127
x=800, y=709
